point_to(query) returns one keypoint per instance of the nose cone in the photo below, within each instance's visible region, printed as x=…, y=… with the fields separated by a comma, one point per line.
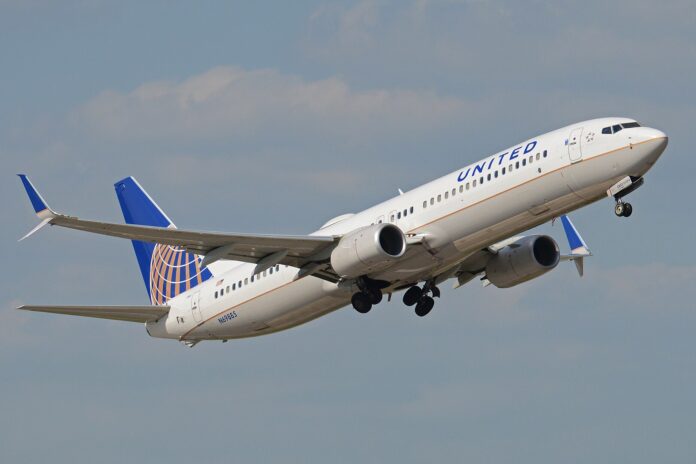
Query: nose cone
x=644, y=134
x=654, y=140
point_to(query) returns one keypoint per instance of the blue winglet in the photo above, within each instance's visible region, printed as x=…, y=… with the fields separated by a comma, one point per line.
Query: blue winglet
x=575, y=241
x=34, y=196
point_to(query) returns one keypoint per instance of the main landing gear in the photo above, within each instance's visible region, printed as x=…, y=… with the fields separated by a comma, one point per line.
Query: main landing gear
x=419, y=297
x=370, y=294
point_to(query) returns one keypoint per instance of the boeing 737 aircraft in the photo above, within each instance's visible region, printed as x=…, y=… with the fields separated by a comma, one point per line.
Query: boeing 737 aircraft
x=219, y=286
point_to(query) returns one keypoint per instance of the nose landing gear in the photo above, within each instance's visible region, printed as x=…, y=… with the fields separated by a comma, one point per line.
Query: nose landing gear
x=619, y=190
x=623, y=209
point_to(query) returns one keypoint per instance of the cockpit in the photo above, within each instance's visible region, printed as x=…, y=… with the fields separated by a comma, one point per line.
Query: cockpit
x=617, y=127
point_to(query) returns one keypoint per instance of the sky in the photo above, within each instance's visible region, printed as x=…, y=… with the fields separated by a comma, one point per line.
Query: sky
x=273, y=117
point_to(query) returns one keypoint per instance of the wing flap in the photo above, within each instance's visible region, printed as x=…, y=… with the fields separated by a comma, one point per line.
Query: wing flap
x=119, y=313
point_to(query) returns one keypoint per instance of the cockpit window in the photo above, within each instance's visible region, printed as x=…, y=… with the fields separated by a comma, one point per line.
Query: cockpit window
x=617, y=127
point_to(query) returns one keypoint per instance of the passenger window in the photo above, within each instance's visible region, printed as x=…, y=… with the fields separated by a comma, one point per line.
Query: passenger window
x=216, y=294
x=252, y=279
x=264, y=273
x=446, y=195
x=489, y=177
x=277, y=267
x=439, y=198
x=474, y=182
x=454, y=190
x=392, y=218
x=616, y=128
x=239, y=284
x=510, y=168
x=538, y=156
x=545, y=153
x=461, y=187
x=495, y=174
x=246, y=281
x=432, y=201
x=517, y=165
x=503, y=171
x=524, y=162
x=531, y=159
x=228, y=289
x=425, y=204
x=467, y=186
x=411, y=209
x=606, y=130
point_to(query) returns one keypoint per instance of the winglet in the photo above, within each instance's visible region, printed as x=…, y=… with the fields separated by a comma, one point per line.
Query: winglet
x=575, y=241
x=40, y=206
x=38, y=203
x=578, y=248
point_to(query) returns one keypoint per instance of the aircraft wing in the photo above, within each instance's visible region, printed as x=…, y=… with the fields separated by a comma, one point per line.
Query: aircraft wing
x=119, y=313
x=265, y=250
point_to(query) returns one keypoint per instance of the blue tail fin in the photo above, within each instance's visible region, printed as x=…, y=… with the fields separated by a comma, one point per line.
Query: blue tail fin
x=167, y=271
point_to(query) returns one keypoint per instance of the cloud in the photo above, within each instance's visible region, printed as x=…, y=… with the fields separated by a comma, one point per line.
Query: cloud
x=229, y=102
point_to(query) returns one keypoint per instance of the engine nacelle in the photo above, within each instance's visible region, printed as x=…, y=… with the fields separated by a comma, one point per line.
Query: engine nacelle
x=523, y=260
x=369, y=249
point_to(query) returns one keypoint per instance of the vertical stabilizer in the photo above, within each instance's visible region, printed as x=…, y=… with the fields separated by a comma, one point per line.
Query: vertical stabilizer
x=166, y=270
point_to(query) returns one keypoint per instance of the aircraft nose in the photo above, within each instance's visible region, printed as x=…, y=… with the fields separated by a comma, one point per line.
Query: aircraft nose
x=655, y=134
x=653, y=139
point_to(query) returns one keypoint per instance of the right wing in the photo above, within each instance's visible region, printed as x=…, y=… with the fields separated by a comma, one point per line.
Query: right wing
x=310, y=252
x=119, y=313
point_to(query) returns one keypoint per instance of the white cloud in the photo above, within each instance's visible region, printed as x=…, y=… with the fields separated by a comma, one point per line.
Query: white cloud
x=232, y=102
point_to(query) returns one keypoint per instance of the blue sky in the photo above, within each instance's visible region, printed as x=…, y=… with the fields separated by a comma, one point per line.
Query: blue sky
x=274, y=117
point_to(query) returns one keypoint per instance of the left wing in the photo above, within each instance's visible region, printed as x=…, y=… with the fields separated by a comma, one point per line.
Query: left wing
x=476, y=263
x=119, y=313
x=308, y=252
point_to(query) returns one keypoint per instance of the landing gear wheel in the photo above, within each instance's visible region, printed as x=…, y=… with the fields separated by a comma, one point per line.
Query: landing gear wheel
x=628, y=210
x=619, y=209
x=424, y=305
x=375, y=296
x=412, y=296
x=361, y=302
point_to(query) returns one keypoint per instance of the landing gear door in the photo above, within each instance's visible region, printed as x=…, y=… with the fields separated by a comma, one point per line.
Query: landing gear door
x=574, y=149
x=195, y=307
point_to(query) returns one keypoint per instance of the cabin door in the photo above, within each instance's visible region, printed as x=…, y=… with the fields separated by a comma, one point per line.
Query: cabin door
x=574, y=149
x=196, y=307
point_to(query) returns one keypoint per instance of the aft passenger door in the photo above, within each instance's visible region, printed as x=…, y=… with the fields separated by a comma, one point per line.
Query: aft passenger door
x=195, y=307
x=574, y=149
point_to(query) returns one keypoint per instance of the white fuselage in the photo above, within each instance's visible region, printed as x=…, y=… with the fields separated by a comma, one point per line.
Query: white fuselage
x=458, y=214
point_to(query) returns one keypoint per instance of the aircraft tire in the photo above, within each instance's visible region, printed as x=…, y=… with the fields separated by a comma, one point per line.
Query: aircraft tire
x=361, y=302
x=424, y=306
x=412, y=295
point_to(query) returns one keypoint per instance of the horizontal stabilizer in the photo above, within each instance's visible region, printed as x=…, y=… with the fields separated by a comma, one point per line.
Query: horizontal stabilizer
x=119, y=313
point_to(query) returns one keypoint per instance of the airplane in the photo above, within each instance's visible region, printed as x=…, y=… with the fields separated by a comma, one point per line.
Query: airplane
x=221, y=286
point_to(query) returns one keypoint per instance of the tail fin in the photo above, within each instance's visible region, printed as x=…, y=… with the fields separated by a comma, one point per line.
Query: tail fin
x=167, y=271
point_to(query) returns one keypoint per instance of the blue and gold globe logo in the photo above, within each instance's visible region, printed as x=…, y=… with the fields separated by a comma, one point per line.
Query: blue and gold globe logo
x=173, y=271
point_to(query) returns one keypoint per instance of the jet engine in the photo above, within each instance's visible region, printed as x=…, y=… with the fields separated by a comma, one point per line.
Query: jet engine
x=523, y=260
x=369, y=249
